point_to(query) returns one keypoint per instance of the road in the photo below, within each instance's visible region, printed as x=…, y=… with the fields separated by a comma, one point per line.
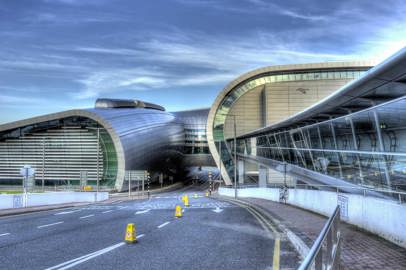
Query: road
x=212, y=234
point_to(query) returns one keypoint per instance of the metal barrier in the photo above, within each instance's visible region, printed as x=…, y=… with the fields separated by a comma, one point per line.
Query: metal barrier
x=325, y=252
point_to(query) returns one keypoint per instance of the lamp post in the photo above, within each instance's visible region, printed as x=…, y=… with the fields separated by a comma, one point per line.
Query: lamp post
x=98, y=154
x=235, y=152
x=235, y=158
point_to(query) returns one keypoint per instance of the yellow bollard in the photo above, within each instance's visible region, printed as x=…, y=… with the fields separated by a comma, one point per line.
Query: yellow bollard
x=186, y=201
x=178, y=211
x=130, y=234
x=183, y=198
x=207, y=194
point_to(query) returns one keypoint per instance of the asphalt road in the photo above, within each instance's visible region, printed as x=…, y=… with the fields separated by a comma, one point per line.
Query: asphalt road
x=211, y=235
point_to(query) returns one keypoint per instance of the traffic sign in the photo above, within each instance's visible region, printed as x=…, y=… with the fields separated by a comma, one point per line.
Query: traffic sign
x=27, y=171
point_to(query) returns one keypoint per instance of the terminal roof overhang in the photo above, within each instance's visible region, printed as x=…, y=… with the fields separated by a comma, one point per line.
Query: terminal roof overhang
x=382, y=83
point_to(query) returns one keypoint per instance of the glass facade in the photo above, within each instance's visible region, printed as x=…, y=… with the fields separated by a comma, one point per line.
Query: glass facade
x=362, y=148
x=196, y=140
x=59, y=151
x=275, y=77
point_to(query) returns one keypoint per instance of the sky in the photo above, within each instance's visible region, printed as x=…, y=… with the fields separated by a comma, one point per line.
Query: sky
x=57, y=55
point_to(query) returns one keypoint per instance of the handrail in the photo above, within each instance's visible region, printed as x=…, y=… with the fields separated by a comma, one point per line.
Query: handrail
x=330, y=233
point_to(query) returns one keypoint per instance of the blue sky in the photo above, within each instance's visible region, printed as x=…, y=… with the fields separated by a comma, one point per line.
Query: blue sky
x=63, y=54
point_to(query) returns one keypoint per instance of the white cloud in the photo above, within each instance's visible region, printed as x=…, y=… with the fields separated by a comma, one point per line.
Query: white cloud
x=18, y=100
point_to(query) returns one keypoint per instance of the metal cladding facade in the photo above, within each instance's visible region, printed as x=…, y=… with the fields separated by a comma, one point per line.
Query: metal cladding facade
x=131, y=139
x=268, y=95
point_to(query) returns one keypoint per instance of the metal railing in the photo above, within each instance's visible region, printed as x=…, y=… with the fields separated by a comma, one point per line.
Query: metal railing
x=325, y=252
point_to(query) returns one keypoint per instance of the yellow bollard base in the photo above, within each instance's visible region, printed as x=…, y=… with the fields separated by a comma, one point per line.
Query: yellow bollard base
x=131, y=242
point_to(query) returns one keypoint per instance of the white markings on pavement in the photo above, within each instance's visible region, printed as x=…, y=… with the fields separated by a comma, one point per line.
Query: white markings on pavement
x=217, y=210
x=122, y=207
x=66, y=212
x=141, y=235
x=116, y=202
x=142, y=211
x=4, y=234
x=47, y=225
x=74, y=262
x=108, y=211
x=163, y=224
x=88, y=216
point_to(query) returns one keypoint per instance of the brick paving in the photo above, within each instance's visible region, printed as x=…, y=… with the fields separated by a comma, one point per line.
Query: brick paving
x=359, y=250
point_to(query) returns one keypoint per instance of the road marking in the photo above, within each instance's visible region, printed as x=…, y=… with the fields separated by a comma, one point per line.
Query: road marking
x=4, y=234
x=88, y=216
x=47, y=225
x=122, y=207
x=266, y=225
x=142, y=212
x=163, y=224
x=276, y=254
x=108, y=211
x=116, y=202
x=66, y=212
x=141, y=235
x=217, y=210
x=74, y=262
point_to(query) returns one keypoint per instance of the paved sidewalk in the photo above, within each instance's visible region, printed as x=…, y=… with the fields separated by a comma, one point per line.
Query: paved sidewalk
x=360, y=249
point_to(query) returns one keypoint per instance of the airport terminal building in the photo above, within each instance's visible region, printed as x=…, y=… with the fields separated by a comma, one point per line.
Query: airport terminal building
x=338, y=123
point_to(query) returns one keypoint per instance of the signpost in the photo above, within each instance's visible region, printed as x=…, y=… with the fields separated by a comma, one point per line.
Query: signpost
x=284, y=191
x=137, y=176
x=210, y=182
x=83, y=179
x=28, y=180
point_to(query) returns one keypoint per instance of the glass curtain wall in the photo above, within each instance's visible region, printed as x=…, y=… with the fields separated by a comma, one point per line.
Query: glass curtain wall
x=364, y=148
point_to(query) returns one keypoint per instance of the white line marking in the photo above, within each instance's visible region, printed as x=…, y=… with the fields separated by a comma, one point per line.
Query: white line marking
x=142, y=211
x=74, y=262
x=116, y=202
x=141, y=235
x=4, y=234
x=108, y=211
x=163, y=224
x=47, y=225
x=66, y=212
x=217, y=210
x=122, y=207
x=88, y=216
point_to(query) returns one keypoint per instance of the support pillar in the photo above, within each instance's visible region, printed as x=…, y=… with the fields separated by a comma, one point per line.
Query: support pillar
x=262, y=176
x=241, y=172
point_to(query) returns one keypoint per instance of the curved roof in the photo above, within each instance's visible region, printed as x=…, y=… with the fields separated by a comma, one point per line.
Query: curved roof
x=380, y=84
x=263, y=72
x=138, y=135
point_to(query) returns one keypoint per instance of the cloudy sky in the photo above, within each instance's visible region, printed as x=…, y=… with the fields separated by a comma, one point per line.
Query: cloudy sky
x=62, y=54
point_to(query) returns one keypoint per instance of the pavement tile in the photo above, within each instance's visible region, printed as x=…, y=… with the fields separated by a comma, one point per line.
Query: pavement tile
x=359, y=250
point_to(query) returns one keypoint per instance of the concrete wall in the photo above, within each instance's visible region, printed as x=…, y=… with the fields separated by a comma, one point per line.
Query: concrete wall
x=382, y=217
x=49, y=198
